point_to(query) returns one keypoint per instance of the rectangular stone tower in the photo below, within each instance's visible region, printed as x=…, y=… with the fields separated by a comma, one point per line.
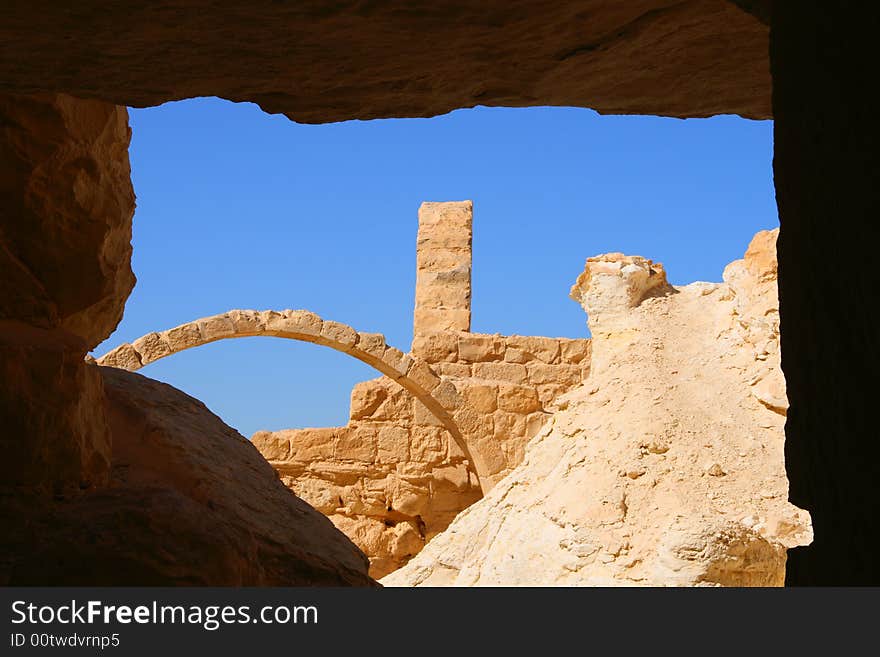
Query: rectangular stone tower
x=443, y=267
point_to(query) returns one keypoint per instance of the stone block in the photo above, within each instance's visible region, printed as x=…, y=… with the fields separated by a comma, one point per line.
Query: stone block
x=358, y=443
x=421, y=374
x=151, y=347
x=371, y=343
x=477, y=348
x=445, y=319
x=518, y=399
x=124, y=357
x=509, y=426
x=423, y=417
x=482, y=397
x=575, y=351
x=436, y=346
x=336, y=335
x=457, y=370
x=398, y=361
x=183, y=337
x=247, y=322
x=393, y=444
x=428, y=444
x=544, y=349
x=566, y=375
x=511, y=372
x=216, y=328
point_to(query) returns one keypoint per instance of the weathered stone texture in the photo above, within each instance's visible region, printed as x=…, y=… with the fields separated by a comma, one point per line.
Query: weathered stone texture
x=665, y=469
x=388, y=480
x=394, y=477
x=826, y=172
x=66, y=204
x=443, y=267
x=319, y=63
x=190, y=502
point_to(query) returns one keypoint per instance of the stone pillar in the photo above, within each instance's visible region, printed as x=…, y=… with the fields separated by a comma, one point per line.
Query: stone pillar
x=443, y=267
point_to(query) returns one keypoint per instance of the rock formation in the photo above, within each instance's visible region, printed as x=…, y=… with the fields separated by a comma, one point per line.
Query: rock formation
x=318, y=63
x=189, y=502
x=66, y=205
x=666, y=467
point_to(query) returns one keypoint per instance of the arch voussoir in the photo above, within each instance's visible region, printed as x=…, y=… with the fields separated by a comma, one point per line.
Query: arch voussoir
x=415, y=375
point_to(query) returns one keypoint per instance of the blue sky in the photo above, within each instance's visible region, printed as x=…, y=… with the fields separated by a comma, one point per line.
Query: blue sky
x=240, y=209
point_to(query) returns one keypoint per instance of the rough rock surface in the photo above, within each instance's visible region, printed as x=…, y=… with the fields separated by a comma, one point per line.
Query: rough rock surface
x=66, y=205
x=320, y=62
x=665, y=467
x=190, y=502
x=53, y=431
x=825, y=168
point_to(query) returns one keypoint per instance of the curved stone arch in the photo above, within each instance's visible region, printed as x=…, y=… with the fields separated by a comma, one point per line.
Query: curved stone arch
x=413, y=374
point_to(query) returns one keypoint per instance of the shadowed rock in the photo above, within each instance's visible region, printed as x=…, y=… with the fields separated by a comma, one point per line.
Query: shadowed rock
x=190, y=502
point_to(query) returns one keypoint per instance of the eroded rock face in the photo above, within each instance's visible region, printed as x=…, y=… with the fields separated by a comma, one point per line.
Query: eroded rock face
x=317, y=62
x=663, y=468
x=190, y=502
x=53, y=431
x=612, y=284
x=66, y=205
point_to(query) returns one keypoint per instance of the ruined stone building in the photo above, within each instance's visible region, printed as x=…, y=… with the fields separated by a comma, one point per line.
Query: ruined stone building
x=691, y=394
x=103, y=467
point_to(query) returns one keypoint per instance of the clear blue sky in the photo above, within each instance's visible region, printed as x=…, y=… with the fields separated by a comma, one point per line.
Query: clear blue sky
x=240, y=209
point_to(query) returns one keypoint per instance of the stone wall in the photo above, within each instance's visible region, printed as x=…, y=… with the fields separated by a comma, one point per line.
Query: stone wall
x=391, y=479
x=394, y=477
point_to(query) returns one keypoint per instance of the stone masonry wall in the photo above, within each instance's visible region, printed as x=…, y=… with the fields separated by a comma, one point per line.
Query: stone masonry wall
x=393, y=477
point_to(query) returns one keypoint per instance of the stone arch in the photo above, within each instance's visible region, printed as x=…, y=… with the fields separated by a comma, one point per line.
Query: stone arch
x=412, y=373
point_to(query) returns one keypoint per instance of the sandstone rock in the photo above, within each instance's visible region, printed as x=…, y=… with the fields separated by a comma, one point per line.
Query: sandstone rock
x=190, y=502
x=644, y=57
x=67, y=207
x=612, y=284
x=54, y=435
x=66, y=204
x=663, y=470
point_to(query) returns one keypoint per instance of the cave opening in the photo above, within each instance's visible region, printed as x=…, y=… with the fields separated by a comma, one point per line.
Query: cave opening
x=68, y=201
x=240, y=209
